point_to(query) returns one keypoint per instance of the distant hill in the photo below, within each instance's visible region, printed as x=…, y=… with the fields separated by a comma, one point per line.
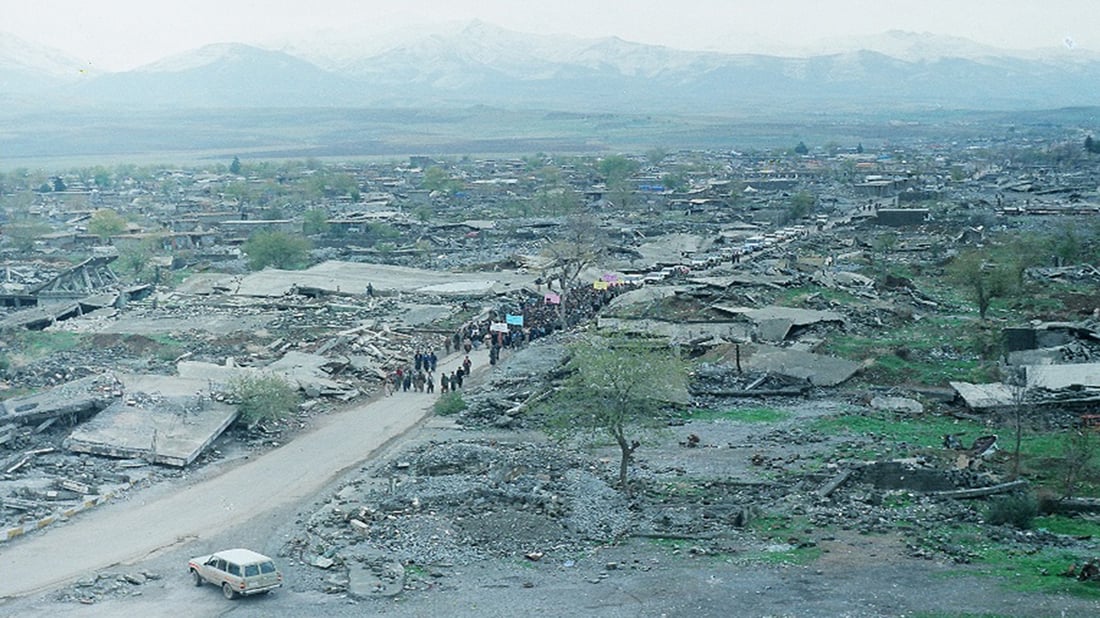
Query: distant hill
x=482, y=64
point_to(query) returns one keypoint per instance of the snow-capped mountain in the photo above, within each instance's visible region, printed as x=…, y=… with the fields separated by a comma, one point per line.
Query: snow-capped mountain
x=479, y=63
x=29, y=67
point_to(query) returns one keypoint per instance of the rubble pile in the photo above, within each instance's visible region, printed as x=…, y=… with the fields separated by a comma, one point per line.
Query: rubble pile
x=106, y=584
x=505, y=398
x=454, y=503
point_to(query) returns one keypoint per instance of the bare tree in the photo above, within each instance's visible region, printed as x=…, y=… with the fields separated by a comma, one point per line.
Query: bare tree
x=580, y=247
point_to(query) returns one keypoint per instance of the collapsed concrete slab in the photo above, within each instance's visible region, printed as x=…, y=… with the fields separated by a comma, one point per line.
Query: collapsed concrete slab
x=335, y=277
x=1056, y=377
x=679, y=333
x=984, y=396
x=1047, y=385
x=165, y=430
x=78, y=398
x=775, y=323
x=745, y=279
x=305, y=371
x=644, y=295
x=37, y=318
x=816, y=369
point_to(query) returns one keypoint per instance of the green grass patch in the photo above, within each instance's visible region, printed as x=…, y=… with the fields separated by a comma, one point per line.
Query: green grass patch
x=169, y=348
x=34, y=345
x=1069, y=526
x=1021, y=567
x=687, y=547
x=449, y=404
x=799, y=296
x=925, y=431
x=741, y=415
x=934, y=351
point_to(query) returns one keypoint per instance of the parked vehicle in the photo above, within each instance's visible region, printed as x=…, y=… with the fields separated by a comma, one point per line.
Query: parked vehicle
x=236, y=571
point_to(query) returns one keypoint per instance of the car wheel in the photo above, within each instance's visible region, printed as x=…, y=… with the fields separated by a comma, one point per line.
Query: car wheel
x=195, y=577
x=228, y=591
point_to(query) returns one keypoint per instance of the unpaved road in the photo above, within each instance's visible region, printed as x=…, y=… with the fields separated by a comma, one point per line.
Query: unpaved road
x=130, y=530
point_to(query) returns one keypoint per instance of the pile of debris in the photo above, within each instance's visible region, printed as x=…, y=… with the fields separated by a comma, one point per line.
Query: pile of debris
x=454, y=503
x=104, y=585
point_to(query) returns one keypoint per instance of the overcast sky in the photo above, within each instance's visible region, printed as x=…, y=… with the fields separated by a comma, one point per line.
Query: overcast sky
x=120, y=34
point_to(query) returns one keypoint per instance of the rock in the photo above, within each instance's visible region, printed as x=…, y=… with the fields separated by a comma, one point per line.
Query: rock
x=898, y=405
x=321, y=562
x=136, y=579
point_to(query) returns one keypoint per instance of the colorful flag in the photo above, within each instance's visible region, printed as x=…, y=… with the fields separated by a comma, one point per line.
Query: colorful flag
x=515, y=320
x=552, y=298
x=600, y=285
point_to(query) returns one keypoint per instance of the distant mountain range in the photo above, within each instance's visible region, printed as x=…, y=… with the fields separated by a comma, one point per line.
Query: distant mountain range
x=481, y=64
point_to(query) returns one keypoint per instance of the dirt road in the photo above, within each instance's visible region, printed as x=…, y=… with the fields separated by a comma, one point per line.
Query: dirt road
x=130, y=530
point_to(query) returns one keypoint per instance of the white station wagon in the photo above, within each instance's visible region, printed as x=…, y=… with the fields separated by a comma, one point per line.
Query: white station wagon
x=236, y=572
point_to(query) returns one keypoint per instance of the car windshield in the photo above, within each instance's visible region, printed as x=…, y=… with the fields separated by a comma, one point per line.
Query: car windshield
x=251, y=569
x=267, y=567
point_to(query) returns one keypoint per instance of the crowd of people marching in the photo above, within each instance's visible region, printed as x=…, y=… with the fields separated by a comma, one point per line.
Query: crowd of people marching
x=507, y=327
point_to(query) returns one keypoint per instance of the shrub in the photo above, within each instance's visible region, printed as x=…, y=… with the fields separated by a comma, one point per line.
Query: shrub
x=263, y=398
x=450, y=404
x=1017, y=510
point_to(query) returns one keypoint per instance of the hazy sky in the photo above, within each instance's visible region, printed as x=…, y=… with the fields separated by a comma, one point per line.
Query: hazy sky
x=118, y=34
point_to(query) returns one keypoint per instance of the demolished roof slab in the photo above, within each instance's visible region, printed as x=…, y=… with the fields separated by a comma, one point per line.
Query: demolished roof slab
x=84, y=396
x=1057, y=377
x=760, y=279
x=335, y=277
x=817, y=369
x=796, y=316
x=679, y=332
x=166, y=430
x=984, y=396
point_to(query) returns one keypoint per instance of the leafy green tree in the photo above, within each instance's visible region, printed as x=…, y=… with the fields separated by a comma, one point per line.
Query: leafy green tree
x=617, y=388
x=101, y=177
x=801, y=205
x=263, y=398
x=235, y=166
x=315, y=221
x=556, y=201
x=22, y=235
x=617, y=170
x=136, y=259
x=278, y=249
x=655, y=155
x=801, y=149
x=675, y=181
x=983, y=280
x=438, y=179
x=106, y=223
